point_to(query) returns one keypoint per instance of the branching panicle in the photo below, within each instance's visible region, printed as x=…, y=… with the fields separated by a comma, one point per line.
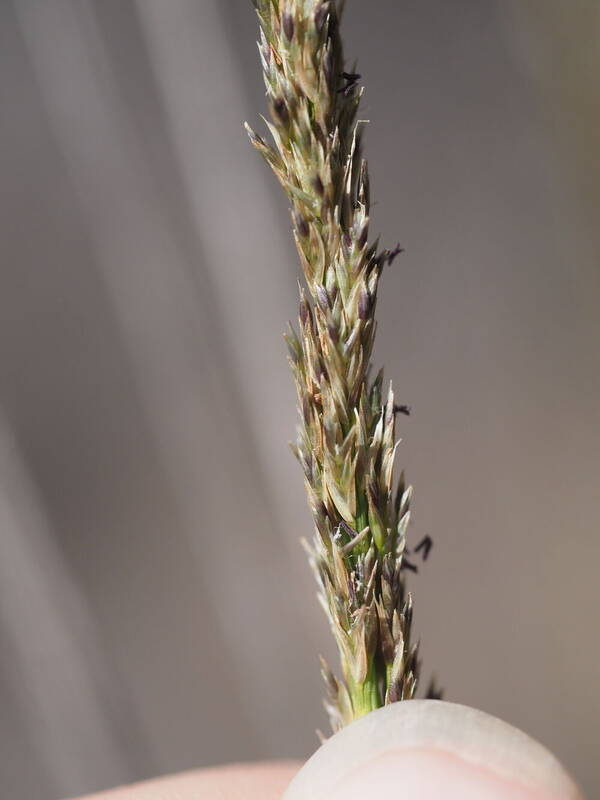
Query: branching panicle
x=346, y=440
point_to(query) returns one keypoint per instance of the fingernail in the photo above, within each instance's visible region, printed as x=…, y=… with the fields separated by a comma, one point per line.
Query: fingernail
x=426, y=749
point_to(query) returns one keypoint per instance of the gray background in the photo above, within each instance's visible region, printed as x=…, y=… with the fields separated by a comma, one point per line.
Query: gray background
x=156, y=611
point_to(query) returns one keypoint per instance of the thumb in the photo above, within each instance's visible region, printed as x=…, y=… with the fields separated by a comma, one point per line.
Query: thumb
x=426, y=750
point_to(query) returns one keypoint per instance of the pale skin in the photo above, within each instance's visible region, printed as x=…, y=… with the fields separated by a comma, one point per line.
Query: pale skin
x=418, y=750
x=264, y=781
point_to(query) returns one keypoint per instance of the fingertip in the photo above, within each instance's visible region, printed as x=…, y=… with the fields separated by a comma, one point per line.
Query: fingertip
x=430, y=775
x=425, y=749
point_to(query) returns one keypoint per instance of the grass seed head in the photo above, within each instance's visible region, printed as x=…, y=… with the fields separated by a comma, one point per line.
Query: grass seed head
x=346, y=438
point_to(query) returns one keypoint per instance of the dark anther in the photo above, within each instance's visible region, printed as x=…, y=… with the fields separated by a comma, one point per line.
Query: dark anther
x=304, y=313
x=318, y=185
x=425, y=545
x=280, y=109
x=402, y=409
x=288, y=26
x=301, y=225
x=390, y=255
x=409, y=565
x=332, y=25
x=362, y=239
x=351, y=80
x=434, y=692
x=348, y=529
x=364, y=304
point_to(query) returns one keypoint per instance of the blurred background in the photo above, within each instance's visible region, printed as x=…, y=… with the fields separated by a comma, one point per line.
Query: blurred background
x=156, y=610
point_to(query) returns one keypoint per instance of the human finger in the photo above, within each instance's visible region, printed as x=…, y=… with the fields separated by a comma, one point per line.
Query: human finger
x=261, y=781
x=425, y=750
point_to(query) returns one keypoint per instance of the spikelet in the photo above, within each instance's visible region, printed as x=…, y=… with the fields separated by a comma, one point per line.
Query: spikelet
x=346, y=439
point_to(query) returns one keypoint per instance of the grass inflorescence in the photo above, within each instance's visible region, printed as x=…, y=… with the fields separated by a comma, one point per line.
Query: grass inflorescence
x=346, y=439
